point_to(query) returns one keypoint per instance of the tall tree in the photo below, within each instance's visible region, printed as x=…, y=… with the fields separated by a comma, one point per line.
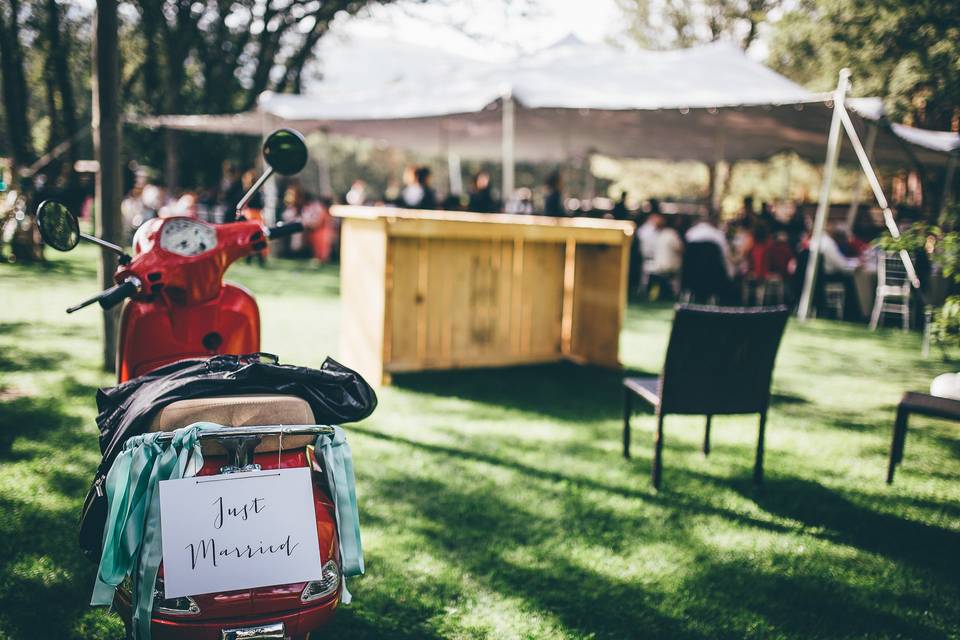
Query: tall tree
x=15, y=96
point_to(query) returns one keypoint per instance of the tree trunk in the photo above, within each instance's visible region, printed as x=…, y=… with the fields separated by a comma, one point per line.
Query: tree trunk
x=106, y=142
x=59, y=55
x=14, y=86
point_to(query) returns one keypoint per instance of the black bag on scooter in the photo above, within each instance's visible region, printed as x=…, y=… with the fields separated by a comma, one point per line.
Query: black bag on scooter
x=335, y=393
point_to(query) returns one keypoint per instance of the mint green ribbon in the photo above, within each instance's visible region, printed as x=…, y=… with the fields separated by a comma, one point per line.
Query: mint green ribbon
x=132, y=539
x=338, y=462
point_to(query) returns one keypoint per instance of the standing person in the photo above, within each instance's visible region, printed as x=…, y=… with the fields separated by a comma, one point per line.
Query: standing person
x=358, y=193
x=319, y=224
x=293, y=202
x=553, y=201
x=481, y=198
x=647, y=237
x=230, y=192
x=620, y=211
x=418, y=194
x=667, y=255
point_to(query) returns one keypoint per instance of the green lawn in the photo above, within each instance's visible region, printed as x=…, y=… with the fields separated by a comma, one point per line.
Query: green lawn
x=496, y=504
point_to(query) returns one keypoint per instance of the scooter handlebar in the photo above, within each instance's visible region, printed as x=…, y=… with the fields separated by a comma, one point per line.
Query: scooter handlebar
x=284, y=230
x=118, y=293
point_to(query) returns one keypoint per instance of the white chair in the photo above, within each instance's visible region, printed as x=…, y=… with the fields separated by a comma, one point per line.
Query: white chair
x=893, y=290
x=835, y=298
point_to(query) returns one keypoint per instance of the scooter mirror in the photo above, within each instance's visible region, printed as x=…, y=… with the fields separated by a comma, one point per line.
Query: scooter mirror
x=58, y=226
x=285, y=151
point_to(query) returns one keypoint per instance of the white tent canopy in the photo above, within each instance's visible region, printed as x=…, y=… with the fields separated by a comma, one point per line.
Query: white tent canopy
x=705, y=103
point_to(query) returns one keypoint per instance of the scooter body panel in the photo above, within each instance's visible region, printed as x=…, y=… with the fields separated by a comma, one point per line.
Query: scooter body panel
x=153, y=334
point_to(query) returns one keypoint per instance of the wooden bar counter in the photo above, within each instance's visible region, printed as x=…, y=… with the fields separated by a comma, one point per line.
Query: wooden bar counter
x=443, y=290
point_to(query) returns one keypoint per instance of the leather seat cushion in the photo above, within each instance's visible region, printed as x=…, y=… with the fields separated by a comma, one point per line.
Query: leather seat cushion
x=239, y=411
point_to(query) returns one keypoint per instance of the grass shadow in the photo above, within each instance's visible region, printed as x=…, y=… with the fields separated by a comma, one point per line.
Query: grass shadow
x=846, y=521
x=562, y=390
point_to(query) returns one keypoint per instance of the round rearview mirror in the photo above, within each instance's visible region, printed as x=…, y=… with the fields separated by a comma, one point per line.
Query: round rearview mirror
x=58, y=226
x=285, y=151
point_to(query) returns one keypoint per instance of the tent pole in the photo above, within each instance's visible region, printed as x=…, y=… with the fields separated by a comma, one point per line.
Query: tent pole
x=456, y=175
x=716, y=185
x=507, y=146
x=823, y=206
x=878, y=193
x=858, y=186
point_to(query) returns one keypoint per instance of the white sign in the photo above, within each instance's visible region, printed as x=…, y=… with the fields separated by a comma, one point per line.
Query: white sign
x=238, y=531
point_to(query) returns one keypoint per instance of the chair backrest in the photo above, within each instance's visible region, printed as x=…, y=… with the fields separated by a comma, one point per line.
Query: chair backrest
x=704, y=272
x=890, y=271
x=720, y=359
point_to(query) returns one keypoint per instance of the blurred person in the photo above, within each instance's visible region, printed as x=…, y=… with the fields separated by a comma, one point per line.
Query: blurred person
x=707, y=230
x=230, y=192
x=647, y=236
x=553, y=200
x=667, y=256
x=319, y=227
x=357, y=195
x=253, y=210
x=620, y=210
x=412, y=192
x=391, y=195
x=131, y=212
x=766, y=217
x=521, y=202
x=834, y=260
x=185, y=205
x=293, y=203
x=419, y=194
x=481, y=197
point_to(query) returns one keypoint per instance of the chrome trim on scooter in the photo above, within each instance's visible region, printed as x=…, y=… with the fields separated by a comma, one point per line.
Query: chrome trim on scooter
x=240, y=442
x=259, y=430
x=275, y=631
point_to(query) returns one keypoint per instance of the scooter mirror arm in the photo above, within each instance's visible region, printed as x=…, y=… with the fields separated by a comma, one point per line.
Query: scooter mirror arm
x=106, y=245
x=256, y=187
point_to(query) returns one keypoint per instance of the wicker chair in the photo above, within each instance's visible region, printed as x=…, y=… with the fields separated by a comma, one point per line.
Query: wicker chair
x=719, y=361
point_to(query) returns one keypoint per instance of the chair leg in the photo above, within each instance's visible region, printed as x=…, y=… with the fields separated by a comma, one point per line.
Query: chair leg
x=758, y=463
x=896, y=446
x=627, y=411
x=877, y=310
x=658, y=453
x=706, y=437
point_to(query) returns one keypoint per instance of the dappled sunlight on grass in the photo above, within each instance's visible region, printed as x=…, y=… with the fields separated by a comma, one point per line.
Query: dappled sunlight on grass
x=496, y=503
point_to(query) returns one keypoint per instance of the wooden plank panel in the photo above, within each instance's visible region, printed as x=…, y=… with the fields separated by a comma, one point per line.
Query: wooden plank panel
x=542, y=283
x=363, y=295
x=597, y=304
x=405, y=301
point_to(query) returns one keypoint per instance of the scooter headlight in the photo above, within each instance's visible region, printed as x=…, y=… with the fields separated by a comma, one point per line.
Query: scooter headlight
x=326, y=585
x=182, y=606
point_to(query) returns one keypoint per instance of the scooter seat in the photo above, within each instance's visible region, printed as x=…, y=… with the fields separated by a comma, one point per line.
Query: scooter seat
x=239, y=411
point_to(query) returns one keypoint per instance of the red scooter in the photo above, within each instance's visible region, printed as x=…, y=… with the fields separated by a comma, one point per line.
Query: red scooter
x=176, y=307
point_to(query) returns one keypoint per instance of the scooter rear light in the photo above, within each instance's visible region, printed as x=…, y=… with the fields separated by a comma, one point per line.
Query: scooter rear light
x=182, y=606
x=326, y=585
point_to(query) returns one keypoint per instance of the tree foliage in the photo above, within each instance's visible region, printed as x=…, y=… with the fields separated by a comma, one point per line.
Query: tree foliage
x=669, y=24
x=178, y=56
x=907, y=51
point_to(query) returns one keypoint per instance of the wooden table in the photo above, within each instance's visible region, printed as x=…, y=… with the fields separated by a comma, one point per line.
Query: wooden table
x=442, y=290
